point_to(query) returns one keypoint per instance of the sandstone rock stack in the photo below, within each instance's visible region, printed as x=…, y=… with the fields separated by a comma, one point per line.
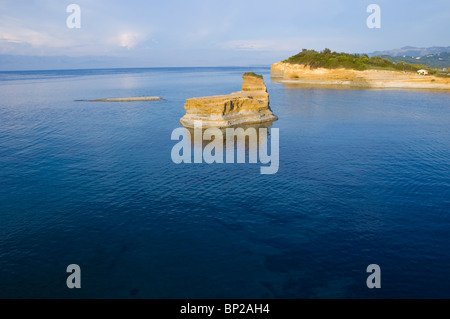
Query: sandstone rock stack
x=249, y=106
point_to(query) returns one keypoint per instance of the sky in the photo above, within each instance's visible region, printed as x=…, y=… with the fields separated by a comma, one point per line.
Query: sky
x=216, y=32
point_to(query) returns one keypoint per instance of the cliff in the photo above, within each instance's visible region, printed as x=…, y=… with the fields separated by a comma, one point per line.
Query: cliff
x=298, y=73
x=249, y=106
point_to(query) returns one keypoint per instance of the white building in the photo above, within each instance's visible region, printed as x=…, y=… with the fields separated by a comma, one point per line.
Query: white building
x=422, y=72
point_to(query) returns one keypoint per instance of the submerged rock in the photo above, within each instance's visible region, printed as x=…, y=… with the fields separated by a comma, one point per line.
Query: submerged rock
x=129, y=99
x=251, y=105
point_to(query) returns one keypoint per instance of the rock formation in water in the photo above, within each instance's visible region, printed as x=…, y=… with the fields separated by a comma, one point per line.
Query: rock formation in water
x=129, y=99
x=251, y=105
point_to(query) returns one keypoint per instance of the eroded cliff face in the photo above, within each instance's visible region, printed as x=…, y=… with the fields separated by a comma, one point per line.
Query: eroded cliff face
x=288, y=71
x=297, y=73
x=251, y=105
x=253, y=83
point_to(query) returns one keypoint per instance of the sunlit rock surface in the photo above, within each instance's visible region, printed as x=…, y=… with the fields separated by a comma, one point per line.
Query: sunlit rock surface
x=251, y=105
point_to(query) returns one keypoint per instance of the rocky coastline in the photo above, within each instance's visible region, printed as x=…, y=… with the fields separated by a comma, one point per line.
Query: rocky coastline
x=300, y=74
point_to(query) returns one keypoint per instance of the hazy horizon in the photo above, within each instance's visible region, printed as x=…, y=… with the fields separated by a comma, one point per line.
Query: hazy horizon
x=211, y=33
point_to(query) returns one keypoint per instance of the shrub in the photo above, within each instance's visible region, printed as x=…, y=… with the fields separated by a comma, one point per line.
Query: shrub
x=334, y=60
x=253, y=74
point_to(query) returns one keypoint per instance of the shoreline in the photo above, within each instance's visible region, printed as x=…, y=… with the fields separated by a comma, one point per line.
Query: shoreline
x=296, y=74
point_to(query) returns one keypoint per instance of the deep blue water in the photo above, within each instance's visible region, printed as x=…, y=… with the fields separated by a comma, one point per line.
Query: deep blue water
x=364, y=178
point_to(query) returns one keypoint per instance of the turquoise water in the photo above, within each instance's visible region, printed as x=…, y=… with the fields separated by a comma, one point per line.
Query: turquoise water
x=364, y=178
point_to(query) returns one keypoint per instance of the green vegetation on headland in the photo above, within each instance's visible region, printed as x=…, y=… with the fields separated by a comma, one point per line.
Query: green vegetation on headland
x=334, y=60
x=253, y=74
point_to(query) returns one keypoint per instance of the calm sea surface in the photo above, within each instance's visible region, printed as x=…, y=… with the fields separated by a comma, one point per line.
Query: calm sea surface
x=364, y=178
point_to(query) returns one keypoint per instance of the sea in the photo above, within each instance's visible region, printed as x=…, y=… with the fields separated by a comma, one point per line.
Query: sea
x=363, y=179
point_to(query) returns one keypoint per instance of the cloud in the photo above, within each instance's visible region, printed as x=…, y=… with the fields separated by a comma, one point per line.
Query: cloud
x=129, y=39
x=13, y=31
x=268, y=44
x=23, y=37
x=199, y=34
x=289, y=44
x=125, y=39
x=31, y=37
x=213, y=30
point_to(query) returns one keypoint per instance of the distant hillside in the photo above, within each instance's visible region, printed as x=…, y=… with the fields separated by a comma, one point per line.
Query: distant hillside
x=439, y=60
x=411, y=51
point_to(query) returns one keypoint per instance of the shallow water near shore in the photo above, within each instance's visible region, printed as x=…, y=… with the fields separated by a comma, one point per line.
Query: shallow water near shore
x=364, y=178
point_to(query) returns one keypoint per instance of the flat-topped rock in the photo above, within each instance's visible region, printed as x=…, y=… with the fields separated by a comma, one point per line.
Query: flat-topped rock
x=249, y=106
x=253, y=82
